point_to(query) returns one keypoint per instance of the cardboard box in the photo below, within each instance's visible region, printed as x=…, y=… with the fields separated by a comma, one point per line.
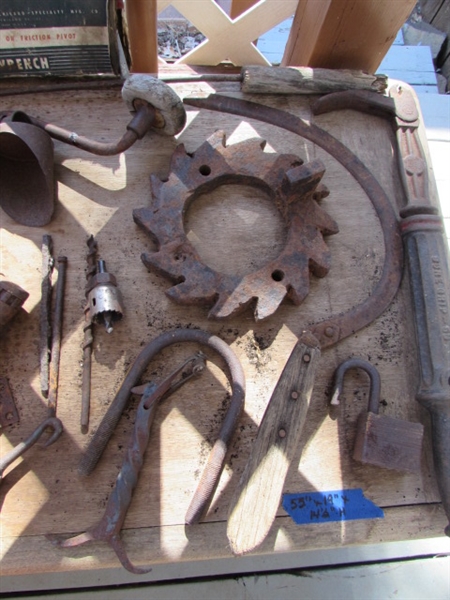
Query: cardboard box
x=58, y=37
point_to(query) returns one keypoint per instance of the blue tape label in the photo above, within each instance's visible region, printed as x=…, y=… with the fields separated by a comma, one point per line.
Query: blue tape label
x=337, y=505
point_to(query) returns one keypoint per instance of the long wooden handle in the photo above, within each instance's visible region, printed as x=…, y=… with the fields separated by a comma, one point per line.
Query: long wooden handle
x=255, y=504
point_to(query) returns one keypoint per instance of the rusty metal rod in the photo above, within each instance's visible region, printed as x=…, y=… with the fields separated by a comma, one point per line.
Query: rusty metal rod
x=56, y=336
x=45, y=317
x=87, y=341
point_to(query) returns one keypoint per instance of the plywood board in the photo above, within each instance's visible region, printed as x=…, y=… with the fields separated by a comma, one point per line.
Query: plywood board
x=42, y=493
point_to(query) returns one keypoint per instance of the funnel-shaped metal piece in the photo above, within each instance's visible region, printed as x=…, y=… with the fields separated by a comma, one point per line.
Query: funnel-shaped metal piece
x=27, y=186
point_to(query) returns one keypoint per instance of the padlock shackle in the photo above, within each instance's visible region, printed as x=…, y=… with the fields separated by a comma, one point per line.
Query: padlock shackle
x=372, y=372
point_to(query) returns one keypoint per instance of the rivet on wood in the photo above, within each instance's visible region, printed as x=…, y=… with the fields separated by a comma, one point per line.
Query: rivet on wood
x=282, y=433
x=294, y=395
x=306, y=358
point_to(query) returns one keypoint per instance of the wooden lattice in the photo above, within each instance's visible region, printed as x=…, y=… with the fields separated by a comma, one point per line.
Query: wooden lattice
x=229, y=39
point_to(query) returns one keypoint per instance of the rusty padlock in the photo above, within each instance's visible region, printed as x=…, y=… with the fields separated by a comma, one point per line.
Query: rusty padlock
x=381, y=440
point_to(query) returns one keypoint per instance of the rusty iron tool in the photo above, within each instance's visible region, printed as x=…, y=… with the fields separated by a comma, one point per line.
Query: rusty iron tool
x=8, y=411
x=56, y=336
x=293, y=186
x=52, y=423
x=88, y=340
x=427, y=257
x=109, y=527
x=136, y=129
x=155, y=106
x=216, y=458
x=45, y=317
x=257, y=498
x=337, y=328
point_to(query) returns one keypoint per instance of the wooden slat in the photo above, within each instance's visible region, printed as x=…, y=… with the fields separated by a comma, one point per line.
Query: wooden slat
x=205, y=543
x=305, y=80
x=391, y=579
x=344, y=34
x=240, y=6
x=429, y=9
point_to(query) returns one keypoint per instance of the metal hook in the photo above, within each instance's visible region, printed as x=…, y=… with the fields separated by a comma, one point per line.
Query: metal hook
x=375, y=381
x=53, y=423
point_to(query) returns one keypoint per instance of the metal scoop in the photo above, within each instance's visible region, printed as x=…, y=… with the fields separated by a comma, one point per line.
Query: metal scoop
x=27, y=186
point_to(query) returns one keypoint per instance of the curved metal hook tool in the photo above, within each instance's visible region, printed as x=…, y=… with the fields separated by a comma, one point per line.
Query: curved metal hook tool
x=109, y=527
x=53, y=423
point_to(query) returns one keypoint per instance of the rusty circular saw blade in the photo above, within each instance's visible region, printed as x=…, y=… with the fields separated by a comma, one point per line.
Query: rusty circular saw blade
x=293, y=186
x=338, y=327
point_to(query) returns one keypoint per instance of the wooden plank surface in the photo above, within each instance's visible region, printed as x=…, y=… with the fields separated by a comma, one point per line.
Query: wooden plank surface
x=43, y=494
